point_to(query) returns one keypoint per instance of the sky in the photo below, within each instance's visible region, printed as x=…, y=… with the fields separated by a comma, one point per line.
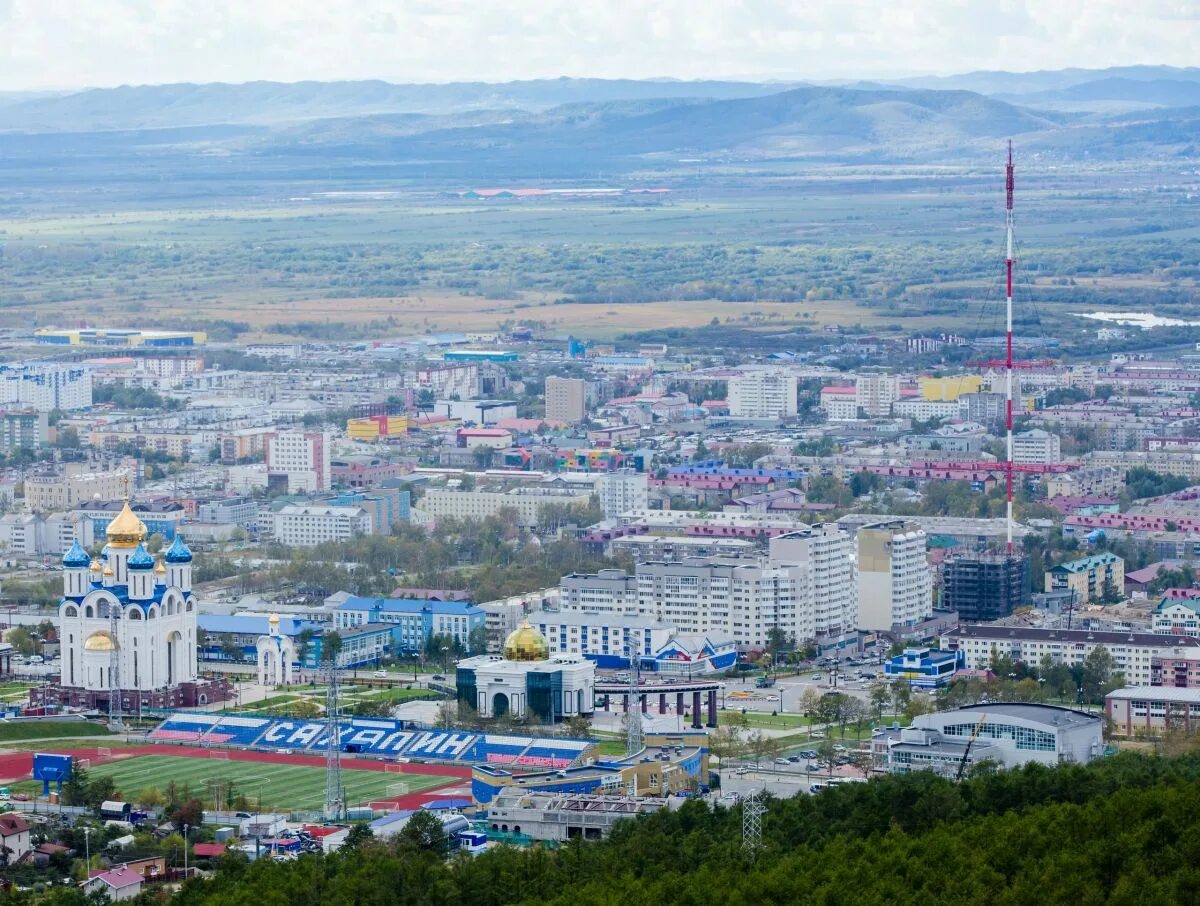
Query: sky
x=65, y=44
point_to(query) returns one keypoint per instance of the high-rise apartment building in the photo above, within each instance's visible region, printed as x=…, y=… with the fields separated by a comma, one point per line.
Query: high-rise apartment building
x=303, y=456
x=762, y=393
x=621, y=492
x=895, y=585
x=45, y=387
x=875, y=393
x=827, y=581
x=566, y=399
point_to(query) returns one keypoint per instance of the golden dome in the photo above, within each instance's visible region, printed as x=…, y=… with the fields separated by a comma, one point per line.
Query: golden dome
x=99, y=641
x=126, y=530
x=159, y=567
x=107, y=571
x=526, y=644
x=96, y=567
x=273, y=619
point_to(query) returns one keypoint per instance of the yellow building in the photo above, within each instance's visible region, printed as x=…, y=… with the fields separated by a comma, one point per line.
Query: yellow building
x=377, y=427
x=1091, y=578
x=948, y=389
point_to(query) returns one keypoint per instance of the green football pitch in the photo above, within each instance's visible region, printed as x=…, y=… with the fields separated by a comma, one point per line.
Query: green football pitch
x=298, y=787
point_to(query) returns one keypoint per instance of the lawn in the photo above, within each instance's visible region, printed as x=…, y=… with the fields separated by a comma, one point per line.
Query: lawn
x=766, y=721
x=46, y=729
x=287, y=786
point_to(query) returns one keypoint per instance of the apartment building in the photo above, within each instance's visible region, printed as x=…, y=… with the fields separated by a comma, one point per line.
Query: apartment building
x=176, y=445
x=45, y=387
x=983, y=587
x=303, y=456
x=1037, y=447
x=1096, y=481
x=604, y=638
x=824, y=567
x=621, y=492
x=308, y=525
x=1135, y=654
x=875, y=393
x=24, y=430
x=528, y=503
x=895, y=583
x=1090, y=578
x=75, y=484
x=566, y=399
x=609, y=591
x=763, y=393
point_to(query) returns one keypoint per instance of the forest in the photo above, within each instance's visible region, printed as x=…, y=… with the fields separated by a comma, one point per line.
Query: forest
x=1124, y=829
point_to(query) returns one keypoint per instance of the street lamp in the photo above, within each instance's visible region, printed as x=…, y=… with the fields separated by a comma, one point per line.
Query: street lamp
x=185, y=841
x=87, y=848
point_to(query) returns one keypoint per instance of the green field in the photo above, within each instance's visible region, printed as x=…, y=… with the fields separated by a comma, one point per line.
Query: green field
x=20, y=732
x=290, y=786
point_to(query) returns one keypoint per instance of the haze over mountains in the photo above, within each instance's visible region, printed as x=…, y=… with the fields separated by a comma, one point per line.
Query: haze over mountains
x=1125, y=112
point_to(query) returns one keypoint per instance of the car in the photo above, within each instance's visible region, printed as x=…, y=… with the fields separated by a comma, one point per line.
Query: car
x=840, y=748
x=868, y=676
x=817, y=677
x=808, y=753
x=438, y=676
x=793, y=759
x=782, y=761
x=816, y=787
x=741, y=771
x=380, y=674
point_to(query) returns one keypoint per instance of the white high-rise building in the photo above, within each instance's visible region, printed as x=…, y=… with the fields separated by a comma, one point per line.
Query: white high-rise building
x=875, y=393
x=45, y=387
x=828, y=579
x=895, y=584
x=1037, y=447
x=303, y=456
x=762, y=393
x=620, y=492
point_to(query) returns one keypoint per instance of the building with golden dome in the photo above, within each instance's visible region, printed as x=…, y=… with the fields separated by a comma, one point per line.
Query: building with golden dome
x=527, y=681
x=127, y=626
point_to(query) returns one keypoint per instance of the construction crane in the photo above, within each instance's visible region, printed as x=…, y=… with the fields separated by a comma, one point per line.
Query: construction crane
x=962, y=765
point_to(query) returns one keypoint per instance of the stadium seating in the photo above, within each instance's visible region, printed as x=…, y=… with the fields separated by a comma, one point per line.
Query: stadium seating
x=189, y=728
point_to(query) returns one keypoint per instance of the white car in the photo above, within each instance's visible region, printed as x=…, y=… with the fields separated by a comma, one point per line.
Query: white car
x=380, y=674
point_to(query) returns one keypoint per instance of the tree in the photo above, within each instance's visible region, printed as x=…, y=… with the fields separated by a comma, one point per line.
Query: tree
x=189, y=812
x=304, y=640
x=75, y=787
x=22, y=640
x=725, y=743
x=1100, y=675
x=881, y=697
x=477, y=640
x=423, y=831
x=231, y=650
x=577, y=726
x=331, y=647
x=359, y=836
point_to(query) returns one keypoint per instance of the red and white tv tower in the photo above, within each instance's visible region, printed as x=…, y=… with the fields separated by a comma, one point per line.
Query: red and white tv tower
x=1009, y=185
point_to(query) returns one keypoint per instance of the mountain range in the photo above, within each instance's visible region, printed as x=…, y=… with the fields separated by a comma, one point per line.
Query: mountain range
x=1116, y=113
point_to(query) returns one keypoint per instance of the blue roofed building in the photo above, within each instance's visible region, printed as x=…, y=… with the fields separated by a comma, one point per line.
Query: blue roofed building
x=414, y=621
x=925, y=667
x=361, y=644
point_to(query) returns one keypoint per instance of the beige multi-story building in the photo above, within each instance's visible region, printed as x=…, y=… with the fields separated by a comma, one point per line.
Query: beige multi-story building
x=528, y=503
x=1036, y=447
x=1168, y=462
x=1089, y=577
x=1097, y=481
x=566, y=399
x=875, y=393
x=176, y=445
x=1138, y=656
x=895, y=584
x=75, y=484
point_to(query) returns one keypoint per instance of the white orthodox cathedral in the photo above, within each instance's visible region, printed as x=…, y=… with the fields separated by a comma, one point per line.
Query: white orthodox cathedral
x=127, y=624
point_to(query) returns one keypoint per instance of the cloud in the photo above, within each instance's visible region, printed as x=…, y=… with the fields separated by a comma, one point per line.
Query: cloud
x=66, y=43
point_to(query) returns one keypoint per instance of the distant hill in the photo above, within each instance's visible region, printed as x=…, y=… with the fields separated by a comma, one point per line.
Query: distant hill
x=167, y=106
x=1011, y=84
x=1148, y=92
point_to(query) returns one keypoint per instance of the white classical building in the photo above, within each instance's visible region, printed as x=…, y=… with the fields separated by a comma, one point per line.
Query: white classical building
x=276, y=654
x=528, y=681
x=127, y=621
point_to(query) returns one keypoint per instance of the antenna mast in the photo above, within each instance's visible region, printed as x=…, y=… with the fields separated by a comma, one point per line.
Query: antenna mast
x=1009, y=185
x=335, y=792
x=634, y=737
x=752, y=811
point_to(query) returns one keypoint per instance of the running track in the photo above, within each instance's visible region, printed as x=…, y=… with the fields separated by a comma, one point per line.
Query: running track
x=16, y=766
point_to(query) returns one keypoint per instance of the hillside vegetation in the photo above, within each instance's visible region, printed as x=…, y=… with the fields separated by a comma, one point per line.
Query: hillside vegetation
x=1124, y=830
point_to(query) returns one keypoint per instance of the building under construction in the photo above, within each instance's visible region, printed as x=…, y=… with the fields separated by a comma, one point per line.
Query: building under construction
x=984, y=587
